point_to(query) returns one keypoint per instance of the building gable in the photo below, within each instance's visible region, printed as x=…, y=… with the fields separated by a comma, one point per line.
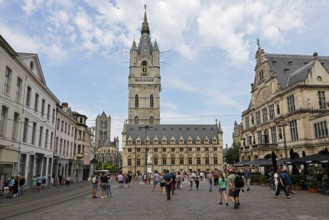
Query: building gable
x=32, y=62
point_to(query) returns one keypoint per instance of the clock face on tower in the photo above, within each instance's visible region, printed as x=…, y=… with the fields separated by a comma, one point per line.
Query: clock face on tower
x=144, y=68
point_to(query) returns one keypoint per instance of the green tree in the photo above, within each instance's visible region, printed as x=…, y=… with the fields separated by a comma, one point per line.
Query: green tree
x=107, y=166
x=232, y=155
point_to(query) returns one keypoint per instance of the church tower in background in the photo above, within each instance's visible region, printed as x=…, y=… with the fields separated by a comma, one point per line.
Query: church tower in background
x=144, y=80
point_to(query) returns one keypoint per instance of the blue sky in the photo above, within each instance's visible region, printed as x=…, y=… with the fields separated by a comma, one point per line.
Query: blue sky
x=208, y=49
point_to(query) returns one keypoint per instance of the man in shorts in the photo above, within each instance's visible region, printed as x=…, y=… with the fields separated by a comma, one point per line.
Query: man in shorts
x=121, y=180
x=233, y=191
x=94, y=181
x=156, y=179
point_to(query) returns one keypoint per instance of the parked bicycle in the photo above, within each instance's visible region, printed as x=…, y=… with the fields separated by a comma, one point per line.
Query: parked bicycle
x=324, y=187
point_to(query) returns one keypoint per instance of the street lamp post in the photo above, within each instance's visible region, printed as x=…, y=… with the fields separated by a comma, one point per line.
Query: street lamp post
x=135, y=158
x=146, y=127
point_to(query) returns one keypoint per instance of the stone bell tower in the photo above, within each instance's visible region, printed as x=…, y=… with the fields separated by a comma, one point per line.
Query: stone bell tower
x=144, y=80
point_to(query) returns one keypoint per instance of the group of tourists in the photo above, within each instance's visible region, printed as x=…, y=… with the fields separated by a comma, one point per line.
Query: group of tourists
x=229, y=183
x=104, y=181
x=230, y=180
x=15, y=186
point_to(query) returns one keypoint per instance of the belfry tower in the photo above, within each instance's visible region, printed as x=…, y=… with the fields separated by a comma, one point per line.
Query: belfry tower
x=144, y=80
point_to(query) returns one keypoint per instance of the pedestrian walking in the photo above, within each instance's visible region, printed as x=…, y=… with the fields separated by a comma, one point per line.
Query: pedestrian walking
x=287, y=181
x=39, y=182
x=60, y=179
x=209, y=177
x=21, y=184
x=109, y=181
x=222, y=188
x=33, y=183
x=51, y=182
x=148, y=178
x=121, y=180
x=103, y=186
x=202, y=179
x=168, y=179
x=68, y=180
x=247, y=179
x=15, y=186
x=156, y=179
x=191, y=177
x=279, y=184
x=173, y=183
x=197, y=180
x=179, y=179
x=162, y=184
x=233, y=191
x=94, y=181
x=215, y=177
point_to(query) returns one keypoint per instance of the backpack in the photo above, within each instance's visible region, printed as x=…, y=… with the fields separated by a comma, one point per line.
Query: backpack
x=238, y=181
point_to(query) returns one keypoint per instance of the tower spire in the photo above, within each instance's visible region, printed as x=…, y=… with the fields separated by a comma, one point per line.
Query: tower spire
x=145, y=25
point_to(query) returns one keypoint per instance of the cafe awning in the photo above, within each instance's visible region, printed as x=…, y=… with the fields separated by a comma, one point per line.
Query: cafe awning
x=315, y=158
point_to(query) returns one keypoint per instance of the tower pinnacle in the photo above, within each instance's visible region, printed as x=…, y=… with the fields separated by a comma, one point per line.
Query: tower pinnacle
x=145, y=25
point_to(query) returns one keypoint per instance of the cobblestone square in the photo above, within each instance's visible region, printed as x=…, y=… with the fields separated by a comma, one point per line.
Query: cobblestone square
x=139, y=202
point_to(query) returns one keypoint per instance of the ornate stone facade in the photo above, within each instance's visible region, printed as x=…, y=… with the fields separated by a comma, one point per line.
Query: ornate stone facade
x=289, y=108
x=148, y=145
x=144, y=80
x=172, y=147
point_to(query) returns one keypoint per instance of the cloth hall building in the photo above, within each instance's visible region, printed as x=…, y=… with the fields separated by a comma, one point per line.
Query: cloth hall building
x=149, y=145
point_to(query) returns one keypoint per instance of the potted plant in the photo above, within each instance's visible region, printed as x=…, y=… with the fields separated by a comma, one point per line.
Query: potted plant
x=313, y=186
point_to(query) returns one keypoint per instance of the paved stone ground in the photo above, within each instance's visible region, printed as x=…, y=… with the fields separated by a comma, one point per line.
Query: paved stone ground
x=139, y=202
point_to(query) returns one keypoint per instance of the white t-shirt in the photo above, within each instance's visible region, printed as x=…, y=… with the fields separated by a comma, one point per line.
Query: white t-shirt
x=276, y=179
x=120, y=178
x=156, y=177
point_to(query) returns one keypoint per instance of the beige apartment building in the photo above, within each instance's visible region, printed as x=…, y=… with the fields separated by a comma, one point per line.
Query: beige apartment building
x=289, y=106
x=82, y=145
x=149, y=145
x=65, y=163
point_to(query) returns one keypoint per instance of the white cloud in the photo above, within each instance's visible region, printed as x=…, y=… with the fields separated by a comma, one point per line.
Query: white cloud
x=20, y=42
x=31, y=6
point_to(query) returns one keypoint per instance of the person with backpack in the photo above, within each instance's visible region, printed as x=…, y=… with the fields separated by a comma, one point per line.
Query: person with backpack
x=234, y=185
x=239, y=181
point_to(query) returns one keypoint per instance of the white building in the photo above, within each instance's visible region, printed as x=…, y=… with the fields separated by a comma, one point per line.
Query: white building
x=82, y=146
x=28, y=112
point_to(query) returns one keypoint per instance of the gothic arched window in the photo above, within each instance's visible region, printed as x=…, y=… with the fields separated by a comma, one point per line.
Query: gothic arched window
x=151, y=120
x=136, y=120
x=151, y=101
x=136, y=101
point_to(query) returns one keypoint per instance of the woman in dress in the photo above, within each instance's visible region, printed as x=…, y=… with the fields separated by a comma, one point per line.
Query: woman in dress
x=34, y=182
